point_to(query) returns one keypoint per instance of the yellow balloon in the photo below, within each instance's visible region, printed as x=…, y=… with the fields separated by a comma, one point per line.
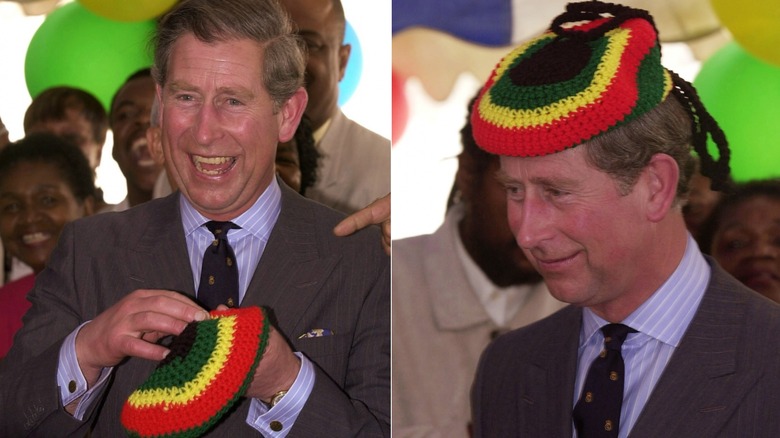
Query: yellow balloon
x=755, y=25
x=128, y=10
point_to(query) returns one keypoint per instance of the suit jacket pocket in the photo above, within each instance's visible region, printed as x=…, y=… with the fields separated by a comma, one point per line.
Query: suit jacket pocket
x=331, y=353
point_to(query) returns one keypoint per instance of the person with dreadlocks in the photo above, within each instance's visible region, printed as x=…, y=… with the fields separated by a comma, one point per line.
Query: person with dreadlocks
x=593, y=135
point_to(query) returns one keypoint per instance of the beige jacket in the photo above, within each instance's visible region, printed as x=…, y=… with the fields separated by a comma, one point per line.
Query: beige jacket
x=439, y=331
x=354, y=167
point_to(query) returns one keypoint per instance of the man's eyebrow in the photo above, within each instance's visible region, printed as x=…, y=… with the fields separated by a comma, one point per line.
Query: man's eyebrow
x=121, y=104
x=233, y=91
x=506, y=179
x=244, y=93
x=178, y=86
x=503, y=178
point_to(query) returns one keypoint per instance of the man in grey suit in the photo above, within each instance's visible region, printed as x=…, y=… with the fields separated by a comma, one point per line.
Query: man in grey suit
x=229, y=82
x=594, y=136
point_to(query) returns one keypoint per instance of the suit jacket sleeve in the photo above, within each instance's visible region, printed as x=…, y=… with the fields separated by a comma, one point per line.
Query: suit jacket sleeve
x=29, y=395
x=355, y=401
x=310, y=279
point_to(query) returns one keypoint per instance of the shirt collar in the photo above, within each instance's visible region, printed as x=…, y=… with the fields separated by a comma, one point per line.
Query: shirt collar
x=259, y=220
x=665, y=316
x=320, y=132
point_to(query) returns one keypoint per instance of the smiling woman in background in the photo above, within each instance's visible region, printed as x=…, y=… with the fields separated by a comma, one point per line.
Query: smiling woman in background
x=743, y=235
x=45, y=182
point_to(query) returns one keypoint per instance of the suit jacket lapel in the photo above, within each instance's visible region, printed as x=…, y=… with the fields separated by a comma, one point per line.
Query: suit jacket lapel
x=562, y=373
x=549, y=391
x=292, y=268
x=158, y=259
x=701, y=386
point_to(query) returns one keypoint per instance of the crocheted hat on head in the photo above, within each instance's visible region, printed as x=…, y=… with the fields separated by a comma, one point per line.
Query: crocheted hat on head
x=599, y=65
x=210, y=365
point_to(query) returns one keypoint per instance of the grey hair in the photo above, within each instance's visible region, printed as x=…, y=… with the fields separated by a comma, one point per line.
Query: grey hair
x=625, y=151
x=263, y=21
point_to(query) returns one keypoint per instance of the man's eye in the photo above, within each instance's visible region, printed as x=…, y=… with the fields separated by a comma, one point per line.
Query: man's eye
x=555, y=193
x=48, y=201
x=313, y=46
x=10, y=208
x=514, y=192
x=735, y=244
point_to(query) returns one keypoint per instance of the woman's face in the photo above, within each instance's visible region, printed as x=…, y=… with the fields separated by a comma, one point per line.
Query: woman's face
x=35, y=204
x=747, y=244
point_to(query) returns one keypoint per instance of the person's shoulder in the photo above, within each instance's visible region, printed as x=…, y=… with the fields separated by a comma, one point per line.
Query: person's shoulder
x=354, y=130
x=119, y=226
x=549, y=330
x=758, y=315
x=412, y=244
x=301, y=214
x=414, y=251
x=149, y=208
x=728, y=289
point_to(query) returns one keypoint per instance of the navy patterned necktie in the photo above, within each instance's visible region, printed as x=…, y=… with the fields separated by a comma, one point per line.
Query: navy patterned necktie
x=597, y=413
x=219, y=274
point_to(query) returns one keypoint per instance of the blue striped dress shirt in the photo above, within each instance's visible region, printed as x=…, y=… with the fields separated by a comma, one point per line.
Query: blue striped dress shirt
x=661, y=322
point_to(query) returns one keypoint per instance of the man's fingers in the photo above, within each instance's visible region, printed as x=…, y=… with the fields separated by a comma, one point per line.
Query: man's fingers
x=137, y=347
x=175, y=304
x=375, y=213
x=354, y=222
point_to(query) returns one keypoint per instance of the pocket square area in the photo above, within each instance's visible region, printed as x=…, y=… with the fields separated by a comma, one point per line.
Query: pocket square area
x=316, y=333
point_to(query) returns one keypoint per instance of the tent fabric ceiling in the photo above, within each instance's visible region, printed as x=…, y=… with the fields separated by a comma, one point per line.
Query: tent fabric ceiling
x=503, y=22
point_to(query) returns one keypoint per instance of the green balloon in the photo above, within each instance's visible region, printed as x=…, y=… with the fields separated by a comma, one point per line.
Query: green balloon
x=77, y=48
x=743, y=94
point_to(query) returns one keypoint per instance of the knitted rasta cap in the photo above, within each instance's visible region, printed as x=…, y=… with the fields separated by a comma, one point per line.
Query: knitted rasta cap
x=596, y=68
x=208, y=369
x=571, y=84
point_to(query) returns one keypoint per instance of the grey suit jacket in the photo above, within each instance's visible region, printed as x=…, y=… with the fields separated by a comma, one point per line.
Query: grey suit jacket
x=307, y=277
x=723, y=381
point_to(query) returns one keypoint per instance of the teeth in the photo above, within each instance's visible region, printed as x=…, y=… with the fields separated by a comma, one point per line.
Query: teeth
x=148, y=162
x=212, y=160
x=220, y=162
x=34, y=238
x=138, y=144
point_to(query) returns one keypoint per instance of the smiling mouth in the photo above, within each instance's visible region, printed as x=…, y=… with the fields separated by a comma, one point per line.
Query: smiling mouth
x=758, y=277
x=139, y=150
x=549, y=264
x=213, y=165
x=35, y=238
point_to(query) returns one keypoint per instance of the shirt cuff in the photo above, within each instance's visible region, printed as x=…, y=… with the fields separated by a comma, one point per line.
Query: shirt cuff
x=277, y=421
x=72, y=383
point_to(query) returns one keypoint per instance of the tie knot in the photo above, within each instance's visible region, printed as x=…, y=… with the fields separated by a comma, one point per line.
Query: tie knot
x=219, y=229
x=615, y=335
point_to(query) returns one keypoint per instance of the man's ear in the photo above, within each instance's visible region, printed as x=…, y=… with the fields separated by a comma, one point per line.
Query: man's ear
x=89, y=206
x=290, y=114
x=344, y=52
x=661, y=177
x=154, y=142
